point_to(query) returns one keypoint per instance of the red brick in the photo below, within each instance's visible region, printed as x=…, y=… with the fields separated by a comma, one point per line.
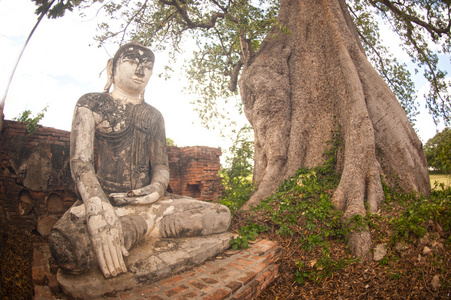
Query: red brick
x=210, y=265
x=209, y=280
x=42, y=293
x=218, y=271
x=38, y=276
x=147, y=289
x=198, y=285
x=219, y=294
x=154, y=297
x=171, y=281
x=53, y=284
x=189, y=295
x=244, y=261
x=37, y=257
x=263, y=265
x=190, y=274
x=248, y=277
x=176, y=290
x=236, y=266
x=200, y=270
x=126, y=295
x=231, y=273
x=234, y=286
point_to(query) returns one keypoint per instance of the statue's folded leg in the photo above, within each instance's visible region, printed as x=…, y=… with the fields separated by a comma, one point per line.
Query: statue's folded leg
x=190, y=217
x=70, y=243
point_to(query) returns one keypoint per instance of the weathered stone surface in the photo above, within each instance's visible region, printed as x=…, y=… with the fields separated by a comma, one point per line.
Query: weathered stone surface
x=379, y=252
x=401, y=247
x=45, y=224
x=148, y=262
x=436, y=282
x=427, y=250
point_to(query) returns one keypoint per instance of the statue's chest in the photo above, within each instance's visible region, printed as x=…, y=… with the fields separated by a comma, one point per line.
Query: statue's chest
x=114, y=117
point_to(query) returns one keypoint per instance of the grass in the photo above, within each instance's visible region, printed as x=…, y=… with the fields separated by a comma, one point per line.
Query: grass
x=440, y=178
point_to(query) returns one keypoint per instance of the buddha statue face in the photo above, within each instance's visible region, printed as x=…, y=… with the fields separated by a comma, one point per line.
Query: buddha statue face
x=131, y=68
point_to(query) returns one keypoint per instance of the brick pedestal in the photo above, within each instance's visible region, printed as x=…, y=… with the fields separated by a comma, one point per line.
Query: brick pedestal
x=237, y=275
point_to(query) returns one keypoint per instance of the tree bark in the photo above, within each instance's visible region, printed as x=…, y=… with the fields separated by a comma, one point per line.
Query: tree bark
x=301, y=85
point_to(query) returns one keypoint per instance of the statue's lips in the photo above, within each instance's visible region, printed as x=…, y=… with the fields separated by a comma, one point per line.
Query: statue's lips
x=137, y=80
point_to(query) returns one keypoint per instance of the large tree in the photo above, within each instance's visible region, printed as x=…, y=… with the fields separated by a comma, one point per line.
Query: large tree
x=303, y=74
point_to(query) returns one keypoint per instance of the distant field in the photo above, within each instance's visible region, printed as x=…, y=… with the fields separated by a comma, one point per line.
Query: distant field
x=446, y=179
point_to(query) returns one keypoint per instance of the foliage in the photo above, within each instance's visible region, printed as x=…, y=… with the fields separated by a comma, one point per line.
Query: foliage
x=170, y=142
x=32, y=123
x=419, y=213
x=421, y=24
x=237, y=177
x=438, y=151
x=55, y=8
x=302, y=206
x=228, y=33
x=246, y=234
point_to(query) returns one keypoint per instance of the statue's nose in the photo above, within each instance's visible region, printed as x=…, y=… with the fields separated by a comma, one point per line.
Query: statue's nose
x=140, y=70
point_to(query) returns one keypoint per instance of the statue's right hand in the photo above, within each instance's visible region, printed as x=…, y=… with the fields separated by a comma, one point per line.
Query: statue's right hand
x=105, y=230
x=121, y=199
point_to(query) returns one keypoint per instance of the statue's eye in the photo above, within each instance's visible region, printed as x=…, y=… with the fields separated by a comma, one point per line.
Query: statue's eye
x=130, y=58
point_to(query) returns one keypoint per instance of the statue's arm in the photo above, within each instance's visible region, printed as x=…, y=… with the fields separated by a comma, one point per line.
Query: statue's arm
x=103, y=225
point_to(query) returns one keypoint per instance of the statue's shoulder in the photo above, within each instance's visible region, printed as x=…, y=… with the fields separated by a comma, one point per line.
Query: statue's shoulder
x=151, y=111
x=94, y=101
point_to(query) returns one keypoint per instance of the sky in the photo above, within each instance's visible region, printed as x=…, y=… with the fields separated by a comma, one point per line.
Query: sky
x=59, y=66
x=62, y=62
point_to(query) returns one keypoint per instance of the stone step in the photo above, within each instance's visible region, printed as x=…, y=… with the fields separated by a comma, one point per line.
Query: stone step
x=240, y=274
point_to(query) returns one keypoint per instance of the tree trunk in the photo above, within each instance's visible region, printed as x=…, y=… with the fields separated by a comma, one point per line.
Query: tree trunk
x=301, y=85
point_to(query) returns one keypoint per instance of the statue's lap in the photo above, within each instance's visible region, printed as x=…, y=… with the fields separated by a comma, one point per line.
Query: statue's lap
x=171, y=217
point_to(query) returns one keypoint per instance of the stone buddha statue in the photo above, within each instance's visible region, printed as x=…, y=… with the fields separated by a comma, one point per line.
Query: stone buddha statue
x=122, y=193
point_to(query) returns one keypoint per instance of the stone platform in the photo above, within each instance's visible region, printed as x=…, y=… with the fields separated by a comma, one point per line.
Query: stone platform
x=241, y=274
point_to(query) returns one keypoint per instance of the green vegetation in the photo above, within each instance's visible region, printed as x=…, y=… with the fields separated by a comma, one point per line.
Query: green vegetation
x=438, y=151
x=301, y=210
x=438, y=179
x=237, y=177
x=170, y=142
x=247, y=233
x=32, y=122
x=418, y=213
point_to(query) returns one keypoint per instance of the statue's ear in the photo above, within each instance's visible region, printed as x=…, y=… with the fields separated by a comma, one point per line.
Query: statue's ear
x=109, y=68
x=109, y=75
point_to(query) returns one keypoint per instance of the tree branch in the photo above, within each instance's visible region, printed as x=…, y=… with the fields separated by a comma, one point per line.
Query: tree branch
x=142, y=8
x=189, y=23
x=234, y=75
x=413, y=19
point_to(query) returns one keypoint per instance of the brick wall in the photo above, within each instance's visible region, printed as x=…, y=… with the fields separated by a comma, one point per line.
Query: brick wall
x=35, y=178
x=194, y=172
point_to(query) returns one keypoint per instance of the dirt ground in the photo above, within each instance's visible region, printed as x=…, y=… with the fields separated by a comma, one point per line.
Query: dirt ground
x=406, y=272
